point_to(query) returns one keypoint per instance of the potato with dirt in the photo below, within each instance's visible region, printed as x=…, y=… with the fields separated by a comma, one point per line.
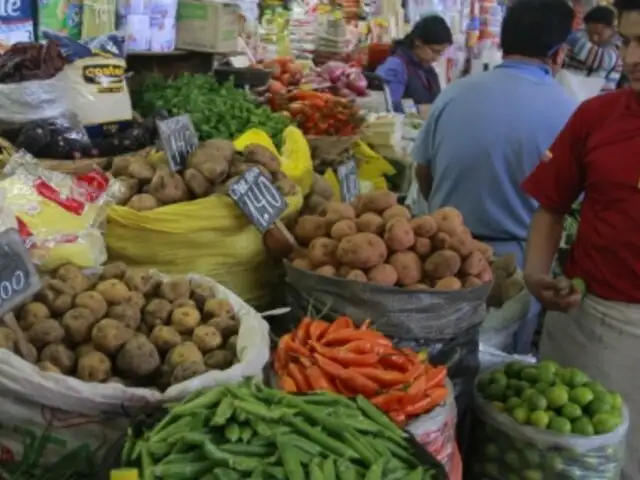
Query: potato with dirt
x=74, y=278
x=314, y=205
x=157, y=312
x=136, y=299
x=207, y=338
x=115, y=270
x=473, y=264
x=444, y=263
x=108, y=335
x=286, y=187
x=376, y=202
x=168, y=187
x=408, y=267
x=113, y=291
x=184, y=302
x=218, y=307
x=310, y=227
x=232, y=345
x=32, y=313
x=59, y=355
x=142, y=202
x=129, y=187
x=441, y=241
x=201, y=292
x=322, y=251
x=396, y=211
x=57, y=303
x=448, y=284
x=7, y=339
x=398, y=235
x=219, y=149
x=164, y=338
x=471, y=282
x=92, y=301
x=94, y=367
x=337, y=211
x=141, y=170
x=45, y=332
x=140, y=280
x=256, y=153
x=424, y=226
x=327, y=271
x=84, y=349
x=184, y=353
x=48, y=367
x=225, y=325
x=362, y=251
x=185, y=319
x=383, y=274
x=196, y=183
x=422, y=247
x=462, y=244
x=174, y=289
x=302, y=264
x=127, y=314
x=186, y=371
x=356, y=275
x=137, y=358
x=343, y=228
x=449, y=221
x=370, y=223
x=78, y=324
x=321, y=187
x=219, y=359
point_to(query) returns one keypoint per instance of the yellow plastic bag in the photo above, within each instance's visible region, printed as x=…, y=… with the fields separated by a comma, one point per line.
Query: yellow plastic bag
x=210, y=236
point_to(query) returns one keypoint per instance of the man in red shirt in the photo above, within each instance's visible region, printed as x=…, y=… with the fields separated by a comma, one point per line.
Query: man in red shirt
x=598, y=154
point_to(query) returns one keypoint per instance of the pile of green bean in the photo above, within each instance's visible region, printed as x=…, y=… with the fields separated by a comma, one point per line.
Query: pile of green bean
x=249, y=431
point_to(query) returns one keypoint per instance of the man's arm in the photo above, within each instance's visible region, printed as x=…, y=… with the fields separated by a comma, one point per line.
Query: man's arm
x=425, y=180
x=422, y=153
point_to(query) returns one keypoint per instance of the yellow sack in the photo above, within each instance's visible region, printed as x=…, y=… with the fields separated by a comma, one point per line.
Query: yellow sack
x=210, y=236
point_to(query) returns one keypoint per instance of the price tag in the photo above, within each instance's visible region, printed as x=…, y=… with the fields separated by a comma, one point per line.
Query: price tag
x=260, y=201
x=348, y=180
x=18, y=277
x=178, y=138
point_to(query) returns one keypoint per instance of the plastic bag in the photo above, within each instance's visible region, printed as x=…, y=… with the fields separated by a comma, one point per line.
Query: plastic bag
x=504, y=448
x=95, y=414
x=57, y=214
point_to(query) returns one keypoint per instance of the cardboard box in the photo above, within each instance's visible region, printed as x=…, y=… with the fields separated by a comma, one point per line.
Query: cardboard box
x=207, y=26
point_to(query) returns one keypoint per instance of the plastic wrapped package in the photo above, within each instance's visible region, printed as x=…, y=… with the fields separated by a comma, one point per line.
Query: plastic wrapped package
x=58, y=215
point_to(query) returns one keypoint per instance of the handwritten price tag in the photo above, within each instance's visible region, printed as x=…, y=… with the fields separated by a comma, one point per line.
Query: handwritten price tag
x=348, y=180
x=18, y=277
x=178, y=138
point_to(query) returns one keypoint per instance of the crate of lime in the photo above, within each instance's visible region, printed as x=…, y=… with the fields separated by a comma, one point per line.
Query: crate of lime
x=544, y=421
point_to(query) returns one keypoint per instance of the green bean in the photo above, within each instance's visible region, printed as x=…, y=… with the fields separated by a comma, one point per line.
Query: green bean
x=379, y=417
x=397, y=475
x=329, y=469
x=416, y=474
x=181, y=458
x=248, y=450
x=303, y=444
x=127, y=449
x=345, y=470
x=147, y=464
x=315, y=469
x=358, y=446
x=225, y=474
x=223, y=413
x=376, y=470
x=182, y=471
x=232, y=432
x=259, y=440
x=315, y=413
x=331, y=399
x=203, y=402
x=257, y=410
x=398, y=452
x=257, y=475
x=185, y=424
x=276, y=473
x=290, y=461
x=362, y=425
x=236, y=462
x=241, y=416
x=246, y=433
x=333, y=446
x=261, y=428
x=380, y=449
x=243, y=394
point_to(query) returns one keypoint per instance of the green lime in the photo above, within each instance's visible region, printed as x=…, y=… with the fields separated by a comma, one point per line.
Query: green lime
x=576, y=378
x=520, y=414
x=616, y=400
x=512, y=403
x=499, y=378
x=514, y=383
x=581, y=396
x=528, y=393
x=510, y=393
x=605, y=423
x=546, y=373
x=557, y=396
x=563, y=375
x=583, y=426
x=595, y=386
x=602, y=403
x=512, y=459
x=542, y=387
x=499, y=406
x=532, y=456
x=551, y=414
x=560, y=425
x=531, y=474
x=537, y=402
x=603, y=396
x=539, y=419
x=550, y=364
x=524, y=385
x=492, y=452
x=513, y=369
x=553, y=462
x=571, y=411
x=494, y=392
x=529, y=374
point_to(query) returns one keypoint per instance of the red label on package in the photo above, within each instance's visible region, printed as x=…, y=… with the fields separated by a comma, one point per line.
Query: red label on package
x=70, y=204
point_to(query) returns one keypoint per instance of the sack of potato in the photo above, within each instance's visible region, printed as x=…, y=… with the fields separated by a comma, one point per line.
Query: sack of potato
x=178, y=223
x=120, y=339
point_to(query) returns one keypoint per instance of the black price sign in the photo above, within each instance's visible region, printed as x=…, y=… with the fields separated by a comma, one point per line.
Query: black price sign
x=178, y=138
x=258, y=198
x=18, y=277
x=348, y=180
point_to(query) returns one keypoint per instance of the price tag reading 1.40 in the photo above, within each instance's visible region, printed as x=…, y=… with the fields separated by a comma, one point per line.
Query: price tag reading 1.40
x=178, y=138
x=348, y=180
x=260, y=201
x=18, y=277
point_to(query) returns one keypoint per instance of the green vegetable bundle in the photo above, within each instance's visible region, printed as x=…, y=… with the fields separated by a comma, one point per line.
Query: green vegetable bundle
x=217, y=110
x=251, y=431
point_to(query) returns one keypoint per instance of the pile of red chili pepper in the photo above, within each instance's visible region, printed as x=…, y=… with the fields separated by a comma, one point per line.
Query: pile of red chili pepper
x=341, y=357
x=318, y=113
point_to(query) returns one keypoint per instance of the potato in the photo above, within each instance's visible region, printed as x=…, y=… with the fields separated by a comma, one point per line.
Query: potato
x=343, y=228
x=376, y=202
x=136, y=299
x=511, y=287
x=120, y=165
x=157, y=312
x=113, y=270
x=128, y=188
x=444, y=263
x=314, y=205
x=185, y=319
x=32, y=313
x=60, y=356
x=7, y=339
x=196, y=183
x=140, y=280
x=117, y=380
x=142, y=202
x=256, y=153
x=471, y=282
x=126, y=314
x=449, y=220
x=108, y=335
x=74, y=278
x=225, y=325
x=184, y=302
x=398, y=235
x=362, y=250
x=397, y=211
x=486, y=250
x=473, y=264
x=143, y=329
x=30, y=354
x=322, y=251
x=164, y=338
x=185, y=371
x=321, y=187
x=92, y=301
x=207, y=338
x=94, y=367
x=232, y=345
x=223, y=150
x=308, y=228
x=219, y=359
x=201, y=292
x=418, y=286
x=48, y=367
x=357, y=275
x=45, y=332
x=184, y=353
x=485, y=275
x=505, y=265
x=302, y=263
x=462, y=244
x=448, y=283
x=422, y=247
x=113, y=291
x=326, y=270
x=141, y=171
x=58, y=286
x=441, y=241
x=370, y=223
x=168, y=187
x=343, y=270
x=383, y=274
x=337, y=211
x=424, y=226
x=286, y=187
x=218, y=307
x=174, y=289
x=137, y=358
x=408, y=267
x=84, y=349
x=57, y=303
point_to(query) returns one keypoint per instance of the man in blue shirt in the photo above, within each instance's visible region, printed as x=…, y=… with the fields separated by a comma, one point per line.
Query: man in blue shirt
x=487, y=132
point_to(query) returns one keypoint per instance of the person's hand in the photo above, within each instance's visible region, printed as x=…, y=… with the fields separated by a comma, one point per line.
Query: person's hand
x=558, y=294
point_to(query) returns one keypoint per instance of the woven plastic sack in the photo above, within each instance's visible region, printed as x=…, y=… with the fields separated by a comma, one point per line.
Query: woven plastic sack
x=504, y=448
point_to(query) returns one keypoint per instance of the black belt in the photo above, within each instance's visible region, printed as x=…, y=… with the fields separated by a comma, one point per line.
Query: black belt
x=495, y=239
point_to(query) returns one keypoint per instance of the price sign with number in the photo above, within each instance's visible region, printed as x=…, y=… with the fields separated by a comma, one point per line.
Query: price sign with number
x=260, y=201
x=348, y=180
x=18, y=277
x=178, y=138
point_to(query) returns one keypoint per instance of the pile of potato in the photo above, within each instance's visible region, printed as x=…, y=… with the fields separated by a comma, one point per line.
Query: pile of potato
x=148, y=183
x=508, y=282
x=127, y=326
x=376, y=240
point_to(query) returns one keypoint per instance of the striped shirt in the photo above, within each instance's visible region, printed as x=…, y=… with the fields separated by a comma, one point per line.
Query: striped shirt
x=594, y=60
